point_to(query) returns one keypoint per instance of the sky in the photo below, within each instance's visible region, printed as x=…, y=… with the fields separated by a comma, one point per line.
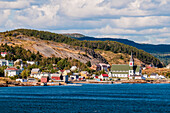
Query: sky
x=143, y=21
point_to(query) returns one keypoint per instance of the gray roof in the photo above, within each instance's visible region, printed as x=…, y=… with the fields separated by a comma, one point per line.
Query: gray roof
x=35, y=70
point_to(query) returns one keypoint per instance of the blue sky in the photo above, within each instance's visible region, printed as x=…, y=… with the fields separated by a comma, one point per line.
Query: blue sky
x=143, y=21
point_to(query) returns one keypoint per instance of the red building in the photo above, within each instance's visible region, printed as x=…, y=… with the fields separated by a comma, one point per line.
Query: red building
x=55, y=77
x=44, y=79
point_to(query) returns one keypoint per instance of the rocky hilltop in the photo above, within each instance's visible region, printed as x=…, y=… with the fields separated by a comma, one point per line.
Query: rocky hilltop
x=52, y=44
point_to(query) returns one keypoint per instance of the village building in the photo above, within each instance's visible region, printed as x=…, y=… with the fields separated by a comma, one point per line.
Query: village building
x=73, y=68
x=44, y=79
x=11, y=72
x=59, y=77
x=66, y=72
x=39, y=75
x=30, y=62
x=4, y=62
x=18, y=61
x=168, y=66
x=145, y=75
x=3, y=54
x=104, y=77
x=100, y=66
x=35, y=71
x=85, y=74
x=74, y=77
x=125, y=70
x=21, y=80
x=104, y=66
x=56, y=76
x=32, y=80
x=154, y=76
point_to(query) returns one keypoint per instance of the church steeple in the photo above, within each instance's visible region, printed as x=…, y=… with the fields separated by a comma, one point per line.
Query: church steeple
x=131, y=62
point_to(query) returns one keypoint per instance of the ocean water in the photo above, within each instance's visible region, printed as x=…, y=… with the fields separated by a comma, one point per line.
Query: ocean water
x=89, y=98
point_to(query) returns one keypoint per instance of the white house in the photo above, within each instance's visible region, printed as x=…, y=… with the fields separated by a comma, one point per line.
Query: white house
x=30, y=62
x=35, y=71
x=104, y=66
x=74, y=77
x=138, y=77
x=73, y=68
x=21, y=80
x=168, y=66
x=162, y=77
x=3, y=54
x=10, y=72
x=39, y=75
x=4, y=62
x=104, y=77
x=145, y=75
x=18, y=61
x=154, y=76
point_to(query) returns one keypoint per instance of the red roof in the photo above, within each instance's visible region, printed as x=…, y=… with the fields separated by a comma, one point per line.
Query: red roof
x=62, y=70
x=12, y=69
x=105, y=75
x=96, y=76
x=3, y=52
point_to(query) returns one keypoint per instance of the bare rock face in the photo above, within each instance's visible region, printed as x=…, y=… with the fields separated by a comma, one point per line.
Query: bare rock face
x=51, y=49
x=66, y=51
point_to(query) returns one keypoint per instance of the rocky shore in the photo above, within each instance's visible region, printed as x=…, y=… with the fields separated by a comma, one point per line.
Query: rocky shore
x=12, y=83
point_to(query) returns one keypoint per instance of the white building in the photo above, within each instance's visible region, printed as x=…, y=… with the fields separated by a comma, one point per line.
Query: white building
x=4, y=62
x=3, y=54
x=154, y=76
x=125, y=70
x=39, y=75
x=104, y=77
x=104, y=66
x=21, y=80
x=35, y=71
x=145, y=75
x=168, y=66
x=30, y=62
x=73, y=68
x=162, y=77
x=74, y=77
x=10, y=72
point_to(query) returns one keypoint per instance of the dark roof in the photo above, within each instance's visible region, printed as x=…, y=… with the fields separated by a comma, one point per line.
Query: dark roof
x=120, y=67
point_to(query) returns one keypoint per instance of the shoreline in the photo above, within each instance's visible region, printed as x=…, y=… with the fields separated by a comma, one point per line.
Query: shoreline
x=85, y=82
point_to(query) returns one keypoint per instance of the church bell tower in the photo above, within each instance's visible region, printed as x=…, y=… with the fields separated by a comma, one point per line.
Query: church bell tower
x=131, y=62
x=131, y=65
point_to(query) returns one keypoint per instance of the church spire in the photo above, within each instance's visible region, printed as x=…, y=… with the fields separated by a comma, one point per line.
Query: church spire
x=131, y=58
x=131, y=62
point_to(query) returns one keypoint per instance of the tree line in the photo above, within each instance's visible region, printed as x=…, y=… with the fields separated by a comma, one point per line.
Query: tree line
x=113, y=46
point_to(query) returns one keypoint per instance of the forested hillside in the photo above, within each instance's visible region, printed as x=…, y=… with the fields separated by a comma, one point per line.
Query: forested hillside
x=17, y=52
x=150, y=48
x=113, y=46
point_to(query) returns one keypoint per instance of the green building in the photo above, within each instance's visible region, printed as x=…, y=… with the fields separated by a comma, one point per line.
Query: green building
x=125, y=70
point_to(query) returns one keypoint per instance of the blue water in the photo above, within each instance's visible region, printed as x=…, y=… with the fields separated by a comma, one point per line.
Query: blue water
x=88, y=98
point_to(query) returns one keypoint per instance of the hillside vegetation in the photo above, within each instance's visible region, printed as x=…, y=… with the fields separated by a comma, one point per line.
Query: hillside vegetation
x=112, y=46
x=17, y=52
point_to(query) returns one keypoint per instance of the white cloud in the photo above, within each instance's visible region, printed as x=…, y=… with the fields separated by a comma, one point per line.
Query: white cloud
x=19, y=4
x=138, y=20
x=4, y=16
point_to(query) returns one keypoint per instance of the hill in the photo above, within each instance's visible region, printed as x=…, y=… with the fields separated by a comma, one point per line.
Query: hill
x=150, y=48
x=86, y=46
x=160, y=51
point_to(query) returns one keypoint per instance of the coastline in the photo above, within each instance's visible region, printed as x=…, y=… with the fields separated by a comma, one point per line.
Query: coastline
x=14, y=84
